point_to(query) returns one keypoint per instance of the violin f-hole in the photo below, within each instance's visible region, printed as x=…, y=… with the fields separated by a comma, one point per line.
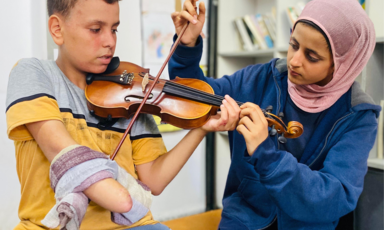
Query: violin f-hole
x=127, y=98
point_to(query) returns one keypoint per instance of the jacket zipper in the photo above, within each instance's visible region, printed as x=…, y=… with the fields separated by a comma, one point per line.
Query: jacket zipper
x=273, y=221
x=326, y=139
x=278, y=103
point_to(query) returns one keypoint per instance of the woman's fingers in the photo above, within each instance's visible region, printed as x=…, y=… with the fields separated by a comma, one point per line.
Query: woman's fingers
x=253, y=126
x=202, y=11
x=254, y=112
x=187, y=16
x=190, y=6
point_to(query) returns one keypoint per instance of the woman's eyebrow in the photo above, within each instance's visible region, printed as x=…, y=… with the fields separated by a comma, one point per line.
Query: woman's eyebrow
x=315, y=53
x=294, y=39
x=309, y=50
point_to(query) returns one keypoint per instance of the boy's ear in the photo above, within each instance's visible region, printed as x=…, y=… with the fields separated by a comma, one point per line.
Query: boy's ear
x=55, y=29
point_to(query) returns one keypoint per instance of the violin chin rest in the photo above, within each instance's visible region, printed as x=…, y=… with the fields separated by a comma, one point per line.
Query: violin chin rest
x=113, y=65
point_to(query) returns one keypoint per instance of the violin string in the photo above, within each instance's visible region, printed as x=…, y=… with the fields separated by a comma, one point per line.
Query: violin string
x=213, y=97
x=187, y=95
x=197, y=91
x=204, y=97
x=193, y=95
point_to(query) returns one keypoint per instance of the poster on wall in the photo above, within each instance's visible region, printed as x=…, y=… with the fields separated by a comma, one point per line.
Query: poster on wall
x=158, y=32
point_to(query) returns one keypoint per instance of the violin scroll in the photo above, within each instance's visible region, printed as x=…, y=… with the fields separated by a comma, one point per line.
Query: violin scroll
x=294, y=129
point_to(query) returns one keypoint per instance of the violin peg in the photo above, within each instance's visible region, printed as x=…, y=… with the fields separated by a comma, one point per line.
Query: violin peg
x=281, y=115
x=282, y=139
x=269, y=108
x=273, y=131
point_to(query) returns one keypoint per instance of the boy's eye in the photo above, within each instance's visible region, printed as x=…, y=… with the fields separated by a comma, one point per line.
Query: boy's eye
x=114, y=31
x=95, y=30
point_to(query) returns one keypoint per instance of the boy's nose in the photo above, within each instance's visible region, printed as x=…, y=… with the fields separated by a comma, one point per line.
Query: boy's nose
x=109, y=39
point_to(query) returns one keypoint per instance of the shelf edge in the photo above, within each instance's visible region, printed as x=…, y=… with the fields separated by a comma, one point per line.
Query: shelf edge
x=376, y=163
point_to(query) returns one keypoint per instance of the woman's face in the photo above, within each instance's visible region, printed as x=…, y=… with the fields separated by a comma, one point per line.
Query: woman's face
x=309, y=60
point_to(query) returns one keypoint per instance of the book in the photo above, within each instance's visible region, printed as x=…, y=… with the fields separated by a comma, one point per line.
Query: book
x=251, y=35
x=264, y=31
x=246, y=40
x=241, y=42
x=292, y=15
x=251, y=22
x=270, y=27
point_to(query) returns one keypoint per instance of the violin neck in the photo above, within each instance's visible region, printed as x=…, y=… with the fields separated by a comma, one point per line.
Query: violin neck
x=189, y=93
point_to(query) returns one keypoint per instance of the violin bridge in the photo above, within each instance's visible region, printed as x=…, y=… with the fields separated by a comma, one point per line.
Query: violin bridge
x=145, y=81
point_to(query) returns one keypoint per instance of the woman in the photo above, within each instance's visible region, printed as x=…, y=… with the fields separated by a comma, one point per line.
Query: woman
x=311, y=181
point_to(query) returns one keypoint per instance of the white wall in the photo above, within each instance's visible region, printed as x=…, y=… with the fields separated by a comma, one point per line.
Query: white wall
x=23, y=26
x=16, y=39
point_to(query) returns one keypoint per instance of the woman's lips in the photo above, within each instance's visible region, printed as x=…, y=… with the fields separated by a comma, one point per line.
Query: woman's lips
x=293, y=73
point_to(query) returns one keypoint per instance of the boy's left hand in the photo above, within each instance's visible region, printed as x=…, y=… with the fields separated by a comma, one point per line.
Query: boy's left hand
x=253, y=126
x=227, y=119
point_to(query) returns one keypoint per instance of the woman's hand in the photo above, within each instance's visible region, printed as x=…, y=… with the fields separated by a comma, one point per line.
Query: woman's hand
x=253, y=126
x=196, y=22
x=227, y=119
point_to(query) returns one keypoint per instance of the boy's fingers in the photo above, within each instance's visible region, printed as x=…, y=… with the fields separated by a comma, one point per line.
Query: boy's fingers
x=224, y=115
x=232, y=102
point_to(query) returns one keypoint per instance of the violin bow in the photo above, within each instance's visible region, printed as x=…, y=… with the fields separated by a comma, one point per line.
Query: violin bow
x=149, y=92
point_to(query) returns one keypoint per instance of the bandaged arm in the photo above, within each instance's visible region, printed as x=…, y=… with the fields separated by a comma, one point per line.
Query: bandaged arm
x=52, y=137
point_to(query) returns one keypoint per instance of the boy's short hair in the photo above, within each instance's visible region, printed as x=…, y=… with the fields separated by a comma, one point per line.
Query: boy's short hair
x=64, y=6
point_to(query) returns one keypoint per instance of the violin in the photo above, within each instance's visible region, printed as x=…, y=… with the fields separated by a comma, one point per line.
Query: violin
x=126, y=88
x=182, y=102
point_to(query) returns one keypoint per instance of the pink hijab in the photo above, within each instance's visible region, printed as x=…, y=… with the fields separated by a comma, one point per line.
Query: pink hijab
x=352, y=38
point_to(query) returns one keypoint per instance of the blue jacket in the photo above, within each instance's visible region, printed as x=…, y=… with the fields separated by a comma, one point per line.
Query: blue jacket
x=311, y=194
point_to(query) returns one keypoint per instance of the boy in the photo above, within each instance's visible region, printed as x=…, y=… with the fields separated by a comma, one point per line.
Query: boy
x=48, y=119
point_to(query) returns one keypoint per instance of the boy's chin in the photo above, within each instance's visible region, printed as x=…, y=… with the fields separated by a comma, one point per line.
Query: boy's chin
x=98, y=69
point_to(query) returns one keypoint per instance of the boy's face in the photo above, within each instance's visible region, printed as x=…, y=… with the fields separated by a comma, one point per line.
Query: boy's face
x=89, y=34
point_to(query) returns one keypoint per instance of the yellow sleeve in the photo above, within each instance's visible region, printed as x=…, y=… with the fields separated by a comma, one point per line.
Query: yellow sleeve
x=30, y=110
x=147, y=149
